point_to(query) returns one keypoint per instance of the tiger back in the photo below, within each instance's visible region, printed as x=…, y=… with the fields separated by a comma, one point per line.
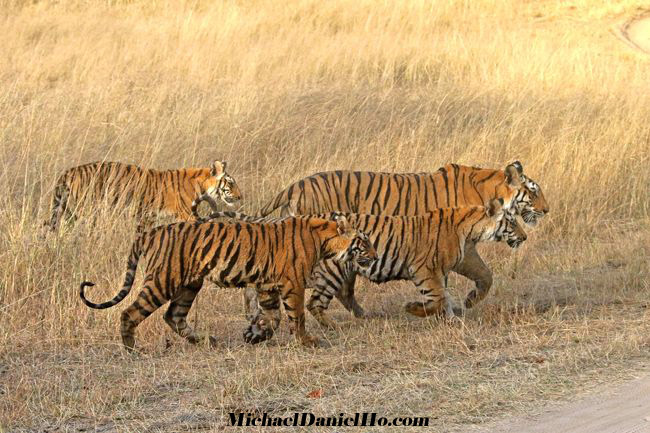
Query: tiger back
x=367, y=192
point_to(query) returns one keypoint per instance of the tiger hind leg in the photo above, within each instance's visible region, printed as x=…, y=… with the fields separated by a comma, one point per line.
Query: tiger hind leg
x=252, y=307
x=176, y=314
x=436, y=302
x=293, y=299
x=148, y=301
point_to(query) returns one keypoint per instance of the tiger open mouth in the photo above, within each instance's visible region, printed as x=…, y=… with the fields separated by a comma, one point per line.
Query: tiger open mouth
x=514, y=243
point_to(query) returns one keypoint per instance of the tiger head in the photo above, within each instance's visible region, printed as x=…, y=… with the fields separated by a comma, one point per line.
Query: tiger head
x=501, y=225
x=220, y=185
x=351, y=244
x=529, y=200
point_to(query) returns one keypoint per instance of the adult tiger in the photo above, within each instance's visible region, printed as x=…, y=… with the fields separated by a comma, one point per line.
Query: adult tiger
x=375, y=193
x=174, y=193
x=422, y=248
x=414, y=194
x=274, y=257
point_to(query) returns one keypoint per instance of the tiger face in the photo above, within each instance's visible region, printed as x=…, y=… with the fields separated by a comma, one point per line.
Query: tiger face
x=222, y=185
x=531, y=203
x=503, y=225
x=511, y=231
x=360, y=251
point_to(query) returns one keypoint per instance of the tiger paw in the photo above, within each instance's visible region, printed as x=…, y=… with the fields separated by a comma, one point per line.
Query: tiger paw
x=310, y=341
x=325, y=322
x=415, y=309
x=255, y=334
x=419, y=309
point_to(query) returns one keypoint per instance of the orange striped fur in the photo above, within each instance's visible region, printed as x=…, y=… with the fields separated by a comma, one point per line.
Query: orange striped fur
x=173, y=193
x=277, y=258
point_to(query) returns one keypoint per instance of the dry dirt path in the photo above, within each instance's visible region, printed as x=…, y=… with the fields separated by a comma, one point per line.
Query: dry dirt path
x=635, y=32
x=623, y=409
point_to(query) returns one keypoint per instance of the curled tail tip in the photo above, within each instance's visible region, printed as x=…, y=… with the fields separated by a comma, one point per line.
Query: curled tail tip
x=82, y=286
x=82, y=295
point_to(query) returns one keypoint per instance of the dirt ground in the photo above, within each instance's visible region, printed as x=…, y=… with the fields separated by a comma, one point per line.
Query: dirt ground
x=618, y=409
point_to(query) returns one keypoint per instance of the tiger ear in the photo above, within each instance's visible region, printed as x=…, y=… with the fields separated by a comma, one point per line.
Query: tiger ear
x=513, y=173
x=218, y=168
x=342, y=225
x=495, y=207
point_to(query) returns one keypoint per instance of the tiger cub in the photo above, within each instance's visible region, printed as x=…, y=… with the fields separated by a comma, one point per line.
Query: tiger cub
x=276, y=257
x=175, y=193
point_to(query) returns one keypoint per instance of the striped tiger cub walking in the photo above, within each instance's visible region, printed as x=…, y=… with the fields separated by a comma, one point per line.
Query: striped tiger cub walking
x=422, y=248
x=174, y=193
x=277, y=258
x=415, y=194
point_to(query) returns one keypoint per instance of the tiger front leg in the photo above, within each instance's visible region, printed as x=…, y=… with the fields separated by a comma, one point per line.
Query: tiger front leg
x=326, y=284
x=346, y=296
x=317, y=305
x=474, y=268
x=293, y=299
x=264, y=323
x=436, y=302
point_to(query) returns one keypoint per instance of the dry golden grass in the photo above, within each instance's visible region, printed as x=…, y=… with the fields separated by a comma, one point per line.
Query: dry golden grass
x=284, y=89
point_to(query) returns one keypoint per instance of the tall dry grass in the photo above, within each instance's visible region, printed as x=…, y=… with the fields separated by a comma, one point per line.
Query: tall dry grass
x=284, y=89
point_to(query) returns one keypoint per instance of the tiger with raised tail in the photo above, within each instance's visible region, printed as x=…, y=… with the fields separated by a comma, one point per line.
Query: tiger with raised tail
x=277, y=258
x=422, y=248
x=415, y=194
x=175, y=193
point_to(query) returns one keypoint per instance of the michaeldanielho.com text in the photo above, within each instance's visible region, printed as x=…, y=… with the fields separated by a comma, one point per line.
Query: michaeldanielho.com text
x=306, y=419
